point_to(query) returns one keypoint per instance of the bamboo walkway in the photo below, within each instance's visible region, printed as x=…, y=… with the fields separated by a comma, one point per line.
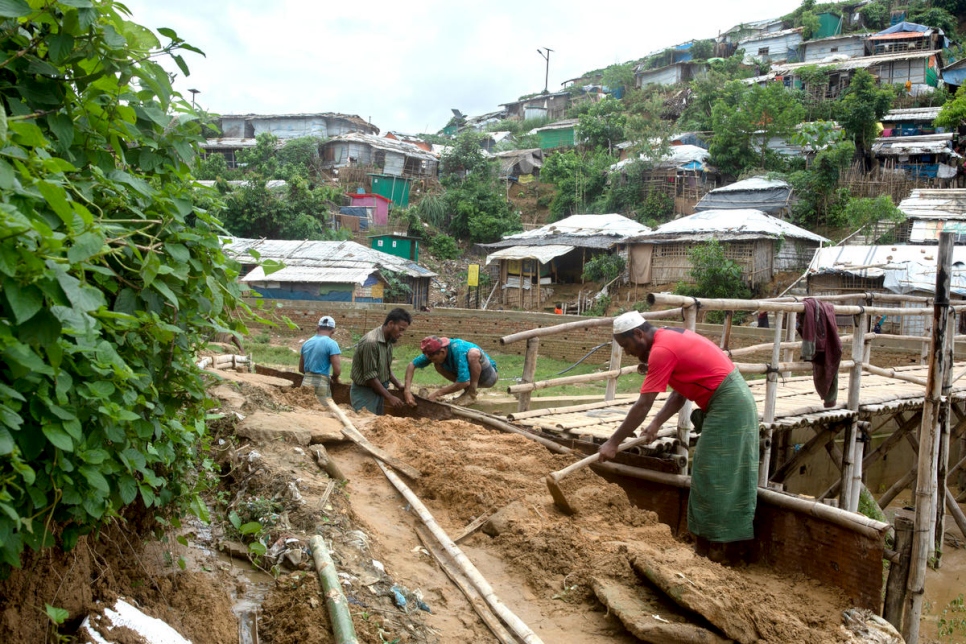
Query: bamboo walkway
x=797, y=405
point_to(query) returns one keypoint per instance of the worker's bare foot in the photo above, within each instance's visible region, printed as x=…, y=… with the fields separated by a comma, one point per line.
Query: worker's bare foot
x=465, y=400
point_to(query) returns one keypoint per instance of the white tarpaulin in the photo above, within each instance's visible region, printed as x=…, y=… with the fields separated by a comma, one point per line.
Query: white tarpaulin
x=542, y=254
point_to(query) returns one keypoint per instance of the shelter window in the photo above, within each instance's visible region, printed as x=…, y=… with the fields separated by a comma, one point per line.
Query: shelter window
x=833, y=50
x=763, y=51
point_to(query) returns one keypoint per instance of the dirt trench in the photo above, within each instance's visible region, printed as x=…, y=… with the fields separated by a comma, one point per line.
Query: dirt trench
x=543, y=565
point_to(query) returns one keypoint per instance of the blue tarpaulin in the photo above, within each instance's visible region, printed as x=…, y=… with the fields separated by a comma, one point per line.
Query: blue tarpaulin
x=911, y=26
x=357, y=211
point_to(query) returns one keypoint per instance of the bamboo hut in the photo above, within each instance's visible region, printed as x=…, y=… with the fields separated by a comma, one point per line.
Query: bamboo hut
x=760, y=244
x=531, y=261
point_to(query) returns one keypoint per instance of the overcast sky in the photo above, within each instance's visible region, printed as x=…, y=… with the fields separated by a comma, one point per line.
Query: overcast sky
x=405, y=64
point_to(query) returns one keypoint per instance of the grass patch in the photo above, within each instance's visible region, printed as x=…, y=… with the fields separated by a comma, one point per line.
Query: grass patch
x=273, y=355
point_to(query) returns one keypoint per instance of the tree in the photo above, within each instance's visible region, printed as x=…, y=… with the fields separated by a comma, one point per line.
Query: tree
x=861, y=107
x=953, y=113
x=475, y=203
x=579, y=179
x=618, y=77
x=714, y=276
x=745, y=118
x=706, y=91
x=110, y=277
x=602, y=127
x=820, y=199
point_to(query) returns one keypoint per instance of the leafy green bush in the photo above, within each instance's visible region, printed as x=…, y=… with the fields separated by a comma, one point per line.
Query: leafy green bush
x=443, y=246
x=599, y=307
x=714, y=276
x=658, y=206
x=603, y=268
x=111, y=277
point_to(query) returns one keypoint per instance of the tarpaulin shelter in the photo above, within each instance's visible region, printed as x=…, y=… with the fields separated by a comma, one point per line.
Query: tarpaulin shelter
x=771, y=196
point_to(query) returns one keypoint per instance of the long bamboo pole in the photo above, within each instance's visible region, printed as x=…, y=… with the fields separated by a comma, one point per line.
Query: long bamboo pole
x=892, y=373
x=849, y=520
x=472, y=595
x=760, y=368
x=515, y=624
x=349, y=431
x=335, y=600
x=722, y=304
x=923, y=536
x=771, y=393
x=529, y=370
x=684, y=415
x=898, y=573
x=569, y=380
x=589, y=323
x=496, y=423
x=852, y=459
x=554, y=411
x=942, y=459
x=726, y=330
x=615, y=364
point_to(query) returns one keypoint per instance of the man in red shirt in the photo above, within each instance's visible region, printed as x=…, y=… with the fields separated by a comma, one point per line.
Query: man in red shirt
x=724, y=472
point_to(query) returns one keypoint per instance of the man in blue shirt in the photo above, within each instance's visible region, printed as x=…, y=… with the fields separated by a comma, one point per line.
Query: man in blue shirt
x=320, y=355
x=462, y=363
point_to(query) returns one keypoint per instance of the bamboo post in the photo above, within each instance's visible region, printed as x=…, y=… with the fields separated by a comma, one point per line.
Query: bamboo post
x=849, y=497
x=514, y=623
x=529, y=371
x=771, y=398
x=684, y=416
x=472, y=595
x=615, y=364
x=726, y=330
x=923, y=538
x=791, y=322
x=945, y=415
x=335, y=600
x=898, y=572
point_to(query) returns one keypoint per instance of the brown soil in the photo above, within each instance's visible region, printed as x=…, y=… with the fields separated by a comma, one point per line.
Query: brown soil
x=540, y=562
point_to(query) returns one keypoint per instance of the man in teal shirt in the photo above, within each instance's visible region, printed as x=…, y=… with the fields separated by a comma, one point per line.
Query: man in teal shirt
x=462, y=363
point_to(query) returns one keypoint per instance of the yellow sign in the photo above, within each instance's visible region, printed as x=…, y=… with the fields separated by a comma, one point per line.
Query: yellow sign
x=473, y=275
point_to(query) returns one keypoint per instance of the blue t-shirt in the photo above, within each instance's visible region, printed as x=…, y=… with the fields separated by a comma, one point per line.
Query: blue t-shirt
x=317, y=353
x=456, y=360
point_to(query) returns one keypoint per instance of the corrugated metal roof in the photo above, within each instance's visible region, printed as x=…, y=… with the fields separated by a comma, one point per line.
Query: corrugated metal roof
x=228, y=143
x=581, y=231
x=383, y=143
x=906, y=268
x=926, y=203
x=913, y=114
x=542, y=254
x=678, y=157
x=928, y=230
x=753, y=183
x=271, y=184
x=322, y=255
x=559, y=125
x=310, y=274
x=922, y=144
x=771, y=35
x=861, y=62
x=899, y=35
x=728, y=225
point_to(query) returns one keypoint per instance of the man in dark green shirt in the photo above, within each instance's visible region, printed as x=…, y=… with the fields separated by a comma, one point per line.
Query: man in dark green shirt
x=372, y=365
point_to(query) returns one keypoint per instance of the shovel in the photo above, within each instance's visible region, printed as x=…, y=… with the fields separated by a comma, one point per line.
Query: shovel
x=553, y=479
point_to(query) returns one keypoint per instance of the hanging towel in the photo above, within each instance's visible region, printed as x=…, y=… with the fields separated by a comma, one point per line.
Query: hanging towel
x=822, y=347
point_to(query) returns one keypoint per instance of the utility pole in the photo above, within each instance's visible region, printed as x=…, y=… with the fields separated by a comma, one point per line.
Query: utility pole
x=545, y=56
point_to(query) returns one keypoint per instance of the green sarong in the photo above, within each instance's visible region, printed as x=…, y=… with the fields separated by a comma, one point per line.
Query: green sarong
x=724, y=475
x=362, y=397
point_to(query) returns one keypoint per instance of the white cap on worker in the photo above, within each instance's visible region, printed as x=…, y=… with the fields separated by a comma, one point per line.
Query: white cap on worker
x=627, y=321
x=326, y=322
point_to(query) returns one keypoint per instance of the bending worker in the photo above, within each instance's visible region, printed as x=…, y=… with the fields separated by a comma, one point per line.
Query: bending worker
x=724, y=476
x=462, y=363
x=321, y=354
x=372, y=365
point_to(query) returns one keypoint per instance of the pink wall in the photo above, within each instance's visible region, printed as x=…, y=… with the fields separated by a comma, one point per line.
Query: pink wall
x=380, y=215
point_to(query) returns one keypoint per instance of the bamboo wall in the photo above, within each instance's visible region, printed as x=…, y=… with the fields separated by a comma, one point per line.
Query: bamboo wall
x=671, y=263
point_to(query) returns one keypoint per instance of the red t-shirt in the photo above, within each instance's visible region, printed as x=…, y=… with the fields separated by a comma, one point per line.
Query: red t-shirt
x=691, y=364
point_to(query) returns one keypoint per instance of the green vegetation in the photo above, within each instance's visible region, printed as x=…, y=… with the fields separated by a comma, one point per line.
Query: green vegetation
x=475, y=202
x=604, y=268
x=443, y=246
x=112, y=277
x=714, y=276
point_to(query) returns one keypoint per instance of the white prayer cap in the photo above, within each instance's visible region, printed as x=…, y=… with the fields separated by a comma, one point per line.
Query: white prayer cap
x=627, y=321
